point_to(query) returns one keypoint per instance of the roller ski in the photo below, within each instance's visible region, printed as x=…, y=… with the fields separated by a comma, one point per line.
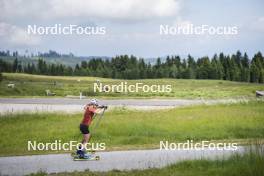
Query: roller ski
x=81, y=155
x=86, y=157
x=91, y=152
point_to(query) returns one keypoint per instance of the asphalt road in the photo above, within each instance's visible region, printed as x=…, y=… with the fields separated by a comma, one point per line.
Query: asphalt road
x=116, y=102
x=20, y=105
x=66, y=105
x=125, y=102
x=120, y=160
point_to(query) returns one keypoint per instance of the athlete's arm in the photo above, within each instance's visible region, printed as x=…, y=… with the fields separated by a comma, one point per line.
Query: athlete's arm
x=100, y=109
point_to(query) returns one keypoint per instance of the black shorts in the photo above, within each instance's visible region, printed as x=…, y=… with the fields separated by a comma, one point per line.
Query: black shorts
x=84, y=129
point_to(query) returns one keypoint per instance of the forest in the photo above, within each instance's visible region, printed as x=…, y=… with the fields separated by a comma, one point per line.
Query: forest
x=235, y=67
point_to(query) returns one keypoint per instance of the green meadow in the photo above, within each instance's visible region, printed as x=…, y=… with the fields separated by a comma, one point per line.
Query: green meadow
x=36, y=85
x=123, y=129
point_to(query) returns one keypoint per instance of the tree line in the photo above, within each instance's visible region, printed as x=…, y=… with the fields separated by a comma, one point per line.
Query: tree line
x=50, y=53
x=235, y=67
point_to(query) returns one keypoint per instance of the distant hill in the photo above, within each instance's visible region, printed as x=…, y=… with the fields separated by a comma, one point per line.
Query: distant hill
x=57, y=58
x=69, y=61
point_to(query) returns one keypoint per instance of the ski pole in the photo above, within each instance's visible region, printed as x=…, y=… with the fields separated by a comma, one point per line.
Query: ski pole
x=99, y=120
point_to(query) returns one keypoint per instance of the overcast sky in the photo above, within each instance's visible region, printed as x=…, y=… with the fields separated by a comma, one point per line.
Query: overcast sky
x=133, y=26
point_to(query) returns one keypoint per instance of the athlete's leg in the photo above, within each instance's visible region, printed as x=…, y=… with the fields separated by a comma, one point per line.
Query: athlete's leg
x=86, y=138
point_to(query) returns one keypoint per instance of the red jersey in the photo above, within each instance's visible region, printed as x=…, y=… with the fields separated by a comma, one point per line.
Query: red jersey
x=88, y=116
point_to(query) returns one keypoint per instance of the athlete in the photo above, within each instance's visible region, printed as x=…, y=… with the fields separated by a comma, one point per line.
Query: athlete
x=90, y=109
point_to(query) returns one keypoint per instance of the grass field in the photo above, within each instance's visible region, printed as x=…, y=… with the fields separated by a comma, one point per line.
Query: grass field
x=35, y=85
x=126, y=129
x=248, y=164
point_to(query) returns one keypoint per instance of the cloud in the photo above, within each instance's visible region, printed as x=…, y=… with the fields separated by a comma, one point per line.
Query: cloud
x=102, y=9
x=16, y=36
x=183, y=23
x=253, y=25
x=259, y=24
x=19, y=9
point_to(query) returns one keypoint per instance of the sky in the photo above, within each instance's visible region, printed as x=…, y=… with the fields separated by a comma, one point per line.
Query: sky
x=133, y=26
